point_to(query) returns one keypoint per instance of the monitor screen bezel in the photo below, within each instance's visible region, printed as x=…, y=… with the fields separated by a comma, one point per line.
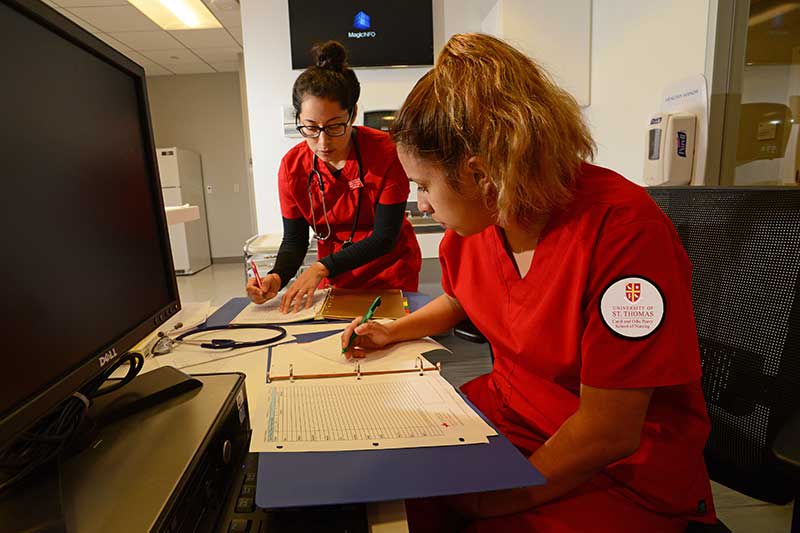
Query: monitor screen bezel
x=26, y=412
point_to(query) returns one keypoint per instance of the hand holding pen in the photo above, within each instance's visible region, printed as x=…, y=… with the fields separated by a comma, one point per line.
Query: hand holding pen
x=259, y=289
x=364, y=334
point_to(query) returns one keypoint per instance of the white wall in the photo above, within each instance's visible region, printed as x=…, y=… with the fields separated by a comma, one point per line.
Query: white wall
x=638, y=48
x=203, y=113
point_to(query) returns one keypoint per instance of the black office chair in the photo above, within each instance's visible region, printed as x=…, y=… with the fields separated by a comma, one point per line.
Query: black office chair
x=744, y=245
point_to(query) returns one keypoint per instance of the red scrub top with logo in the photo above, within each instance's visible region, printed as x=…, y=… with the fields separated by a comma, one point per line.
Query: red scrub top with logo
x=548, y=337
x=385, y=183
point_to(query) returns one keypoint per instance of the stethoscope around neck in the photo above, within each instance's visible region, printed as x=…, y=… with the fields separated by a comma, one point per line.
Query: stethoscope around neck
x=315, y=173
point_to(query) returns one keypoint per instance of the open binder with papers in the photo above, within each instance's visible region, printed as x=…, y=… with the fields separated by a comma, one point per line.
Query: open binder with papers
x=382, y=473
x=319, y=401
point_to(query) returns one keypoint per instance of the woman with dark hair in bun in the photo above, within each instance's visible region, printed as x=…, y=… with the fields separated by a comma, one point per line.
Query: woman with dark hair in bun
x=347, y=185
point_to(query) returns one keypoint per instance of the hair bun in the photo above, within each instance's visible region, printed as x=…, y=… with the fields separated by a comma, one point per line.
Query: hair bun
x=330, y=55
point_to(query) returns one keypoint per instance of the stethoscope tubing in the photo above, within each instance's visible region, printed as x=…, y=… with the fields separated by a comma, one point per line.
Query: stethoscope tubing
x=321, y=183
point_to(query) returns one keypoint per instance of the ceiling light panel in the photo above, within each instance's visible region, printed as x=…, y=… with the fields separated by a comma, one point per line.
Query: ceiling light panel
x=178, y=14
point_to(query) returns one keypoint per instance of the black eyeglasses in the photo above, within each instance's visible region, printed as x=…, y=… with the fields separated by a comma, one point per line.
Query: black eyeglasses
x=331, y=130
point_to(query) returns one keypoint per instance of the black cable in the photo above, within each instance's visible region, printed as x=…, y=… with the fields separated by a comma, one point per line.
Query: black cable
x=229, y=344
x=48, y=438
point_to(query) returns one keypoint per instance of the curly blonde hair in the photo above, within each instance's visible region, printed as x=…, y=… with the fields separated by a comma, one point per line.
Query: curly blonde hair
x=485, y=98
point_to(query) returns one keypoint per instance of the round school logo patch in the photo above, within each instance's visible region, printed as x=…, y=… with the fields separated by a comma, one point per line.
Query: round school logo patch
x=632, y=307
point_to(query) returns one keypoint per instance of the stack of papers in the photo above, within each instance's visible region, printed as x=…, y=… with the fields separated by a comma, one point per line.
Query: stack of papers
x=270, y=313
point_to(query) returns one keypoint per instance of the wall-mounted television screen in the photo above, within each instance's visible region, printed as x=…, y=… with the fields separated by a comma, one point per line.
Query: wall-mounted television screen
x=376, y=33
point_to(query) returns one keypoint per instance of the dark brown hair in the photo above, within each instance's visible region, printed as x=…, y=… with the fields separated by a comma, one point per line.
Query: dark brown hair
x=485, y=98
x=328, y=78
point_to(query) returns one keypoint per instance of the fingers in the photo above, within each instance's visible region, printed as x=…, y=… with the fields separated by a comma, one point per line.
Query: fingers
x=309, y=297
x=272, y=286
x=288, y=298
x=255, y=294
x=348, y=332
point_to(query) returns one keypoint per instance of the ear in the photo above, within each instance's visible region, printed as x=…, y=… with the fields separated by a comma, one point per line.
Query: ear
x=476, y=169
x=355, y=114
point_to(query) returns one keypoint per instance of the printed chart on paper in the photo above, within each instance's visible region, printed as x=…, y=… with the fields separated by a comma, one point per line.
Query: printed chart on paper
x=379, y=412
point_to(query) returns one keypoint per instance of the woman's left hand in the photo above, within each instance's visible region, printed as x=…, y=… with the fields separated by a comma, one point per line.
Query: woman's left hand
x=303, y=287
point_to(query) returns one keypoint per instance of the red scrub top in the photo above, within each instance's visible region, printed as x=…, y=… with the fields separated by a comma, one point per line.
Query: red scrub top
x=385, y=183
x=607, y=303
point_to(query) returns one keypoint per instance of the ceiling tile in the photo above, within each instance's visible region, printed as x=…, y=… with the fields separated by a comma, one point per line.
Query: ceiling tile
x=116, y=18
x=191, y=68
x=91, y=3
x=77, y=20
x=204, y=38
x=225, y=67
x=229, y=18
x=237, y=34
x=147, y=40
x=219, y=55
x=156, y=70
x=113, y=43
x=139, y=58
x=166, y=58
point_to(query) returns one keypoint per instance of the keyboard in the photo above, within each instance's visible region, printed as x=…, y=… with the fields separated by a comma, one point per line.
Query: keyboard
x=242, y=515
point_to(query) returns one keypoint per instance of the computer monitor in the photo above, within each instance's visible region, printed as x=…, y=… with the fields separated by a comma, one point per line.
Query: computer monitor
x=86, y=270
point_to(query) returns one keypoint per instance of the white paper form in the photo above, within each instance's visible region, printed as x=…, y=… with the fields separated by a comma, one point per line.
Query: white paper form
x=376, y=412
x=270, y=313
x=325, y=357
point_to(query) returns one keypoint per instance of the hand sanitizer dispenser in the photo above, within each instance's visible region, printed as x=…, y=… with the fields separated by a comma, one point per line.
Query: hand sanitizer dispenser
x=669, y=149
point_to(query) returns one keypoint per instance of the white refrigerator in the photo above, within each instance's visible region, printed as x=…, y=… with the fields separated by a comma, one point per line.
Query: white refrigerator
x=182, y=183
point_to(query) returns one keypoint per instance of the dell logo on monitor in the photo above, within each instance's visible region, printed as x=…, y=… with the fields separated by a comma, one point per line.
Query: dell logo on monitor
x=107, y=357
x=361, y=22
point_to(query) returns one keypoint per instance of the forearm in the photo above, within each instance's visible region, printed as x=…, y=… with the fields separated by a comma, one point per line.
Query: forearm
x=293, y=249
x=605, y=429
x=439, y=315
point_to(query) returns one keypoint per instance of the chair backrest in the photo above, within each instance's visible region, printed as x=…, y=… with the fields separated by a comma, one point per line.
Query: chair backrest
x=744, y=245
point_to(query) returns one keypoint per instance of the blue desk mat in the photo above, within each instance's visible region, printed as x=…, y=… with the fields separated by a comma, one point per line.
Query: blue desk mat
x=327, y=478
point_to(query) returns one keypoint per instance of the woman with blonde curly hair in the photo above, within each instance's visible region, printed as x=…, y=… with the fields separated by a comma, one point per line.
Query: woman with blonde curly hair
x=580, y=284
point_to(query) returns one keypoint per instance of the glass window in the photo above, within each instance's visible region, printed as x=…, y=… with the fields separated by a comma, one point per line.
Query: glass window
x=766, y=148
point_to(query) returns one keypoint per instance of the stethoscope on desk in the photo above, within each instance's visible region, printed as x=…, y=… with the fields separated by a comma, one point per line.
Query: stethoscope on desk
x=164, y=344
x=316, y=174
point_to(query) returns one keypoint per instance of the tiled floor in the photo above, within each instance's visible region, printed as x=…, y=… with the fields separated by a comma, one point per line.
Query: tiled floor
x=221, y=282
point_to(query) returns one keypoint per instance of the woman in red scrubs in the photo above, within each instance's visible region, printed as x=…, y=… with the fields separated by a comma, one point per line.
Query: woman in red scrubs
x=583, y=289
x=346, y=183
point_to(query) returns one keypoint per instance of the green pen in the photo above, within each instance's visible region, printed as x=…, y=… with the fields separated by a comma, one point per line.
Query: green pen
x=375, y=304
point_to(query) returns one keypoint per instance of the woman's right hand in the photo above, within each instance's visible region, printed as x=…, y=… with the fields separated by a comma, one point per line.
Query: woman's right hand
x=370, y=336
x=271, y=284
